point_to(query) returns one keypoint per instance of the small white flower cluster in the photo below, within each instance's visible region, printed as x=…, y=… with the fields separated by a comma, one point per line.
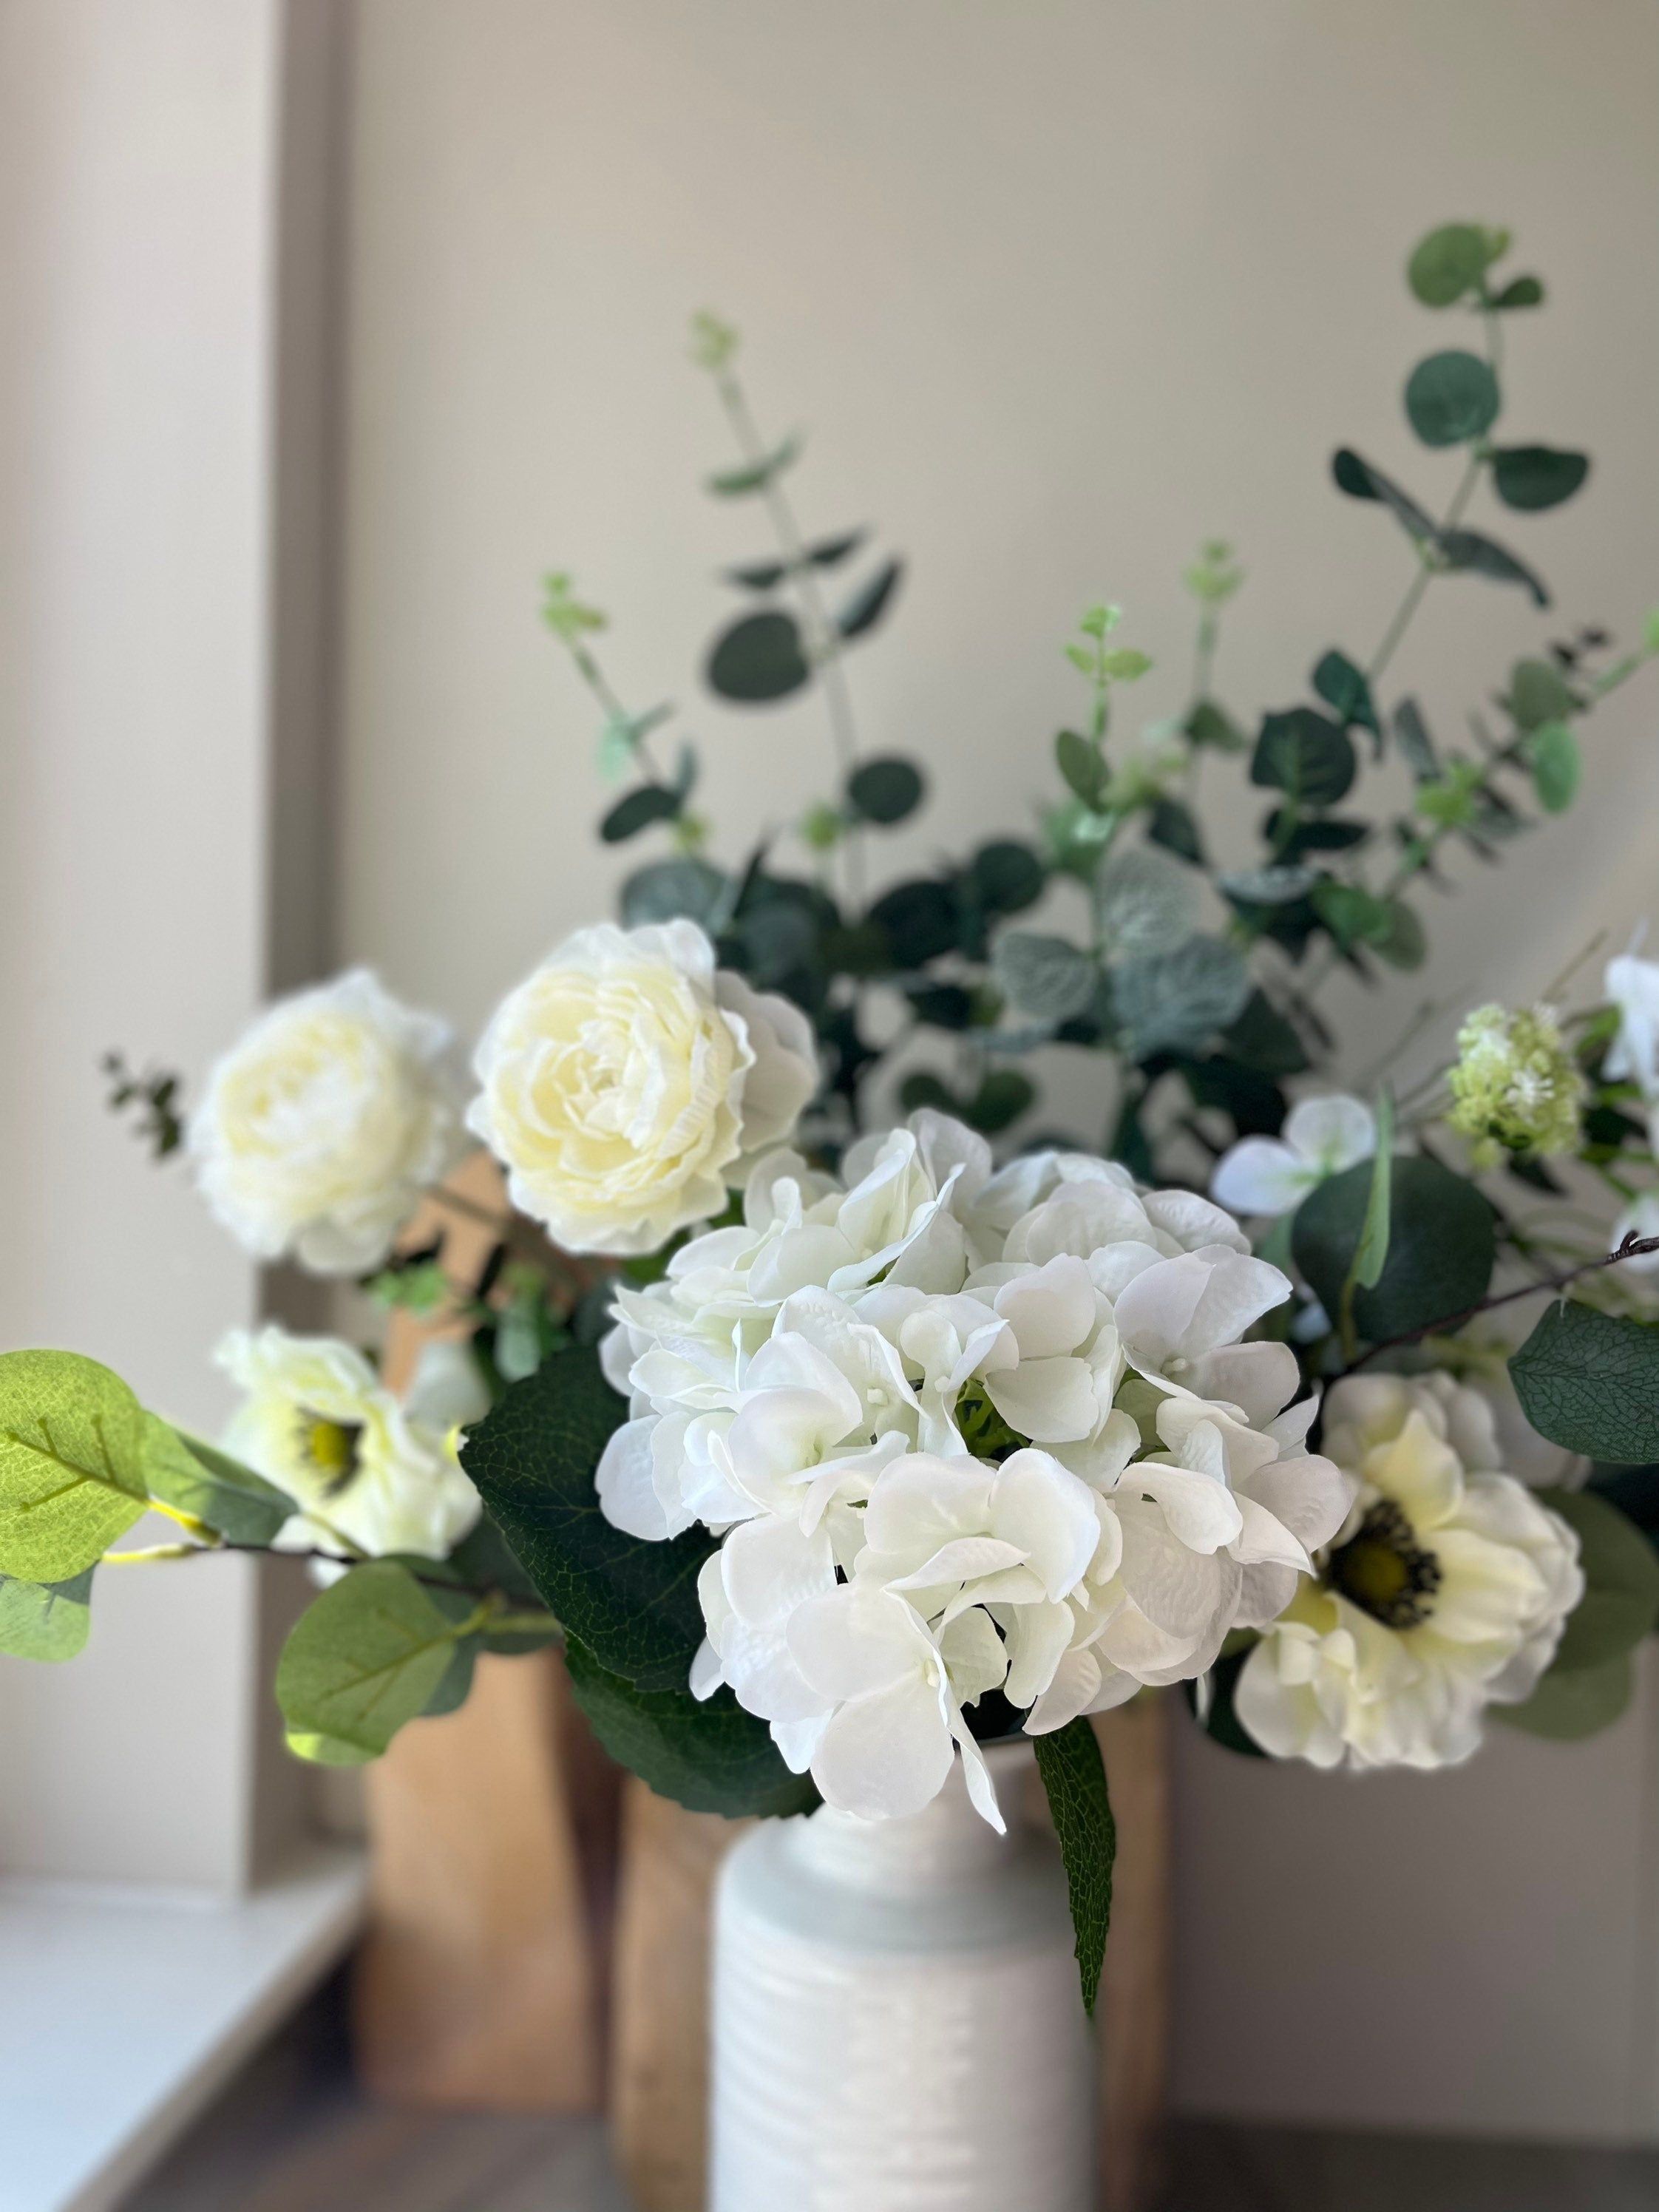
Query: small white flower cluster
x=962, y=1431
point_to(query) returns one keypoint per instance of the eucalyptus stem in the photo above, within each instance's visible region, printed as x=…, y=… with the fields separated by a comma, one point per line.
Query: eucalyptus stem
x=824, y=641
x=1401, y=621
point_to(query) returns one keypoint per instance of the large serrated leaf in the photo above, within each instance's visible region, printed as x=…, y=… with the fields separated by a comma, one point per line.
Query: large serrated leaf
x=1074, y=1775
x=1589, y=1381
x=708, y=1755
x=534, y=1456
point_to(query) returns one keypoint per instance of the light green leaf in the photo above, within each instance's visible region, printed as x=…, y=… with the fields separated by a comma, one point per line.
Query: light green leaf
x=1177, y=1001
x=198, y=1478
x=366, y=1656
x=1539, y=694
x=1451, y=397
x=1145, y=901
x=1567, y=1706
x=1405, y=945
x=1452, y=260
x=755, y=476
x=71, y=1463
x=1074, y=1775
x=1044, y=975
x=1589, y=1381
x=1620, y=1602
x=45, y=1620
x=1556, y=766
x=1081, y=765
x=1371, y=1252
x=1124, y=663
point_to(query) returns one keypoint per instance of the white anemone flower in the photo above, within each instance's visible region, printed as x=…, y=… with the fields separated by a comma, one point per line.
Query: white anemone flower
x=368, y=1476
x=1446, y=1591
x=1632, y=984
x=1640, y=1219
x=1273, y=1175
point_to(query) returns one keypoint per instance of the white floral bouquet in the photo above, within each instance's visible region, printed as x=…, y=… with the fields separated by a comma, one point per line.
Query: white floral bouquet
x=832, y=1450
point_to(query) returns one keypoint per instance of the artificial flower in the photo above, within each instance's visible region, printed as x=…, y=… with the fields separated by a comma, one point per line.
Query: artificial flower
x=1632, y=986
x=368, y=1475
x=1516, y=1088
x=1273, y=1175
x=320, y=1130
x=628, y=1082
x=1446, y=1591
x=1640, y=1219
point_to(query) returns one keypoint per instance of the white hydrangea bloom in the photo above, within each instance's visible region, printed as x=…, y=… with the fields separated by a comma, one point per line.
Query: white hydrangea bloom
x=1446, y=1591
x=369, y=1476
x=1272, y=1175
x=628, y=1082
x=319, y=1131
x=962, y=1432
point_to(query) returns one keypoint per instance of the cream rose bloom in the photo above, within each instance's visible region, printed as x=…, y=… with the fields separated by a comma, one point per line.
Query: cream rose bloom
x=628, y=1082
x=320, y=1130
x=367, y=1475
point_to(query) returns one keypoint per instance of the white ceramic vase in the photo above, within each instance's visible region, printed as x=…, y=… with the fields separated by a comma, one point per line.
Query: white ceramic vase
x=896, y=2024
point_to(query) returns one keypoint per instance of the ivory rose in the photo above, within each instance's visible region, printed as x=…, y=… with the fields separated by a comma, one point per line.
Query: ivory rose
x=320, y=1130
x=628, y=1082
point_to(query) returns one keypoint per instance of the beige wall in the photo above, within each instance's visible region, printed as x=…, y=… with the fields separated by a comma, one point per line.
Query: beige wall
x=1057, y=289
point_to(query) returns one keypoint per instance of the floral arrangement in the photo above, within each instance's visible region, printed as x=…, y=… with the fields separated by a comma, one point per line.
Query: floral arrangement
x=831, y=1452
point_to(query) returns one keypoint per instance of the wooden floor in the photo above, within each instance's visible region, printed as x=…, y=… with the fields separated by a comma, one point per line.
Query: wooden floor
x=292, y=2135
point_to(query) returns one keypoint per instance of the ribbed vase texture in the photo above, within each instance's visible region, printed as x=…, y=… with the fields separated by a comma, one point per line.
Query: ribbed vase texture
x=896, y=2025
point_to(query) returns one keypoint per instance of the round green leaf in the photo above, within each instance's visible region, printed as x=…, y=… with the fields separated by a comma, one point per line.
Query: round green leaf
x=1620, y=1602
x=920, y=921
x=1521, y=292
x=758, y=658
x=1556, y=766
x=1405, y=945
x=1452, y=260
x=1007, y=875
x=1082, y=766
x=1539, y=694
x=1177, y=1001
x=1146, y=902
x=1481, y=556
x=1046, y=976
x=670, y=888
x=1533, y=477
x=1567, y=1706
x=1305, y=755
x=71, y=1463
x=364, y=1658
x=1441, y=1247
x=885, y=791
x=1001, y=1098
x=45, y=1620
x=638, y=810
x=198, y=1478
x=1451, y=397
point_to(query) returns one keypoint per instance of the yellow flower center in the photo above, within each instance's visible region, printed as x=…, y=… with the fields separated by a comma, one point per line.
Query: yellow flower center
x=331, y=1448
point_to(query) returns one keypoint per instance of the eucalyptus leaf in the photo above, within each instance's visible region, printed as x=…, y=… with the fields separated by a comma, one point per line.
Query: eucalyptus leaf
x=1074, y=1778
x=1532, y=477
x=199, y=1479
x=1620, y=1604
x=1343, y=687
x=1171, y=822
x=920, y=920
x=1177, y=1001
x=1589, y=1381
x=755, y=476
x=1352, y=916
x=1082, y=766
x=1006, y=876
x=1451, y=397
x=1269, y=886
x=1410, y=735
x=669, y=889
x=1566, y=1707
x=870, y=602
x=759, y=657
x=1442, y=1244
x=885, y=791
x=1361, y=481
x=45, y=1620
x=1044, y=975
x=1481, y=555
x=1553, y=756
x=1404, y=944
x=1306, y=755
x=71, y=1463
x=1520, y=292
x=1452, y=261
x=1145, y=902
x=1539, y=694
x=637, y=810
x=533, y=1457
x=827, y=553
x=366, y=1657
x=1211, y=724
x=709, y=1755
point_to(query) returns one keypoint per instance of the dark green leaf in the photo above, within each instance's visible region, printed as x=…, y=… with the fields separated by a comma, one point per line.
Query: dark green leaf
x=670, y=888
x=1565, y=1707
x=1263, y=1040
x=455, y=1684
x=1270, y=886
x=1404, y=945
x=1003, y=1096
x=1254, y=1102
x=45, y=1620
x=1293, y=841
x=1553, y=753
x=885, y=791
x=1352, y=915
x=710, y=1756
x=533, y=1457
x=1589, y=1381
x=1620, y=1602
x=1074, y=1775
x=1343, y=688
x=1044, y=975
x=1410, y=735
x=869, y=603
x=1539, y=694
x=767, y=575
x=1452, y=260
x=759, y=657
x=1441, y=1247
x=1521, y=292
x=1006, y=877
x=1451, y=397
x=921, y=922
x=1170, y=823
x=1221, y=1719
x=638, y=810
x=1469, y=550
x=754, y=475
x=1082, y=766
x=1305, y=755
x=945, y=1006
x=1211, y=724
x=1361, y=481
x=1534, y=476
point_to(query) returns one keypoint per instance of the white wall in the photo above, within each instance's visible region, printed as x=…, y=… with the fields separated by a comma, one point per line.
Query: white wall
x=136, y=169
x=1059, y=290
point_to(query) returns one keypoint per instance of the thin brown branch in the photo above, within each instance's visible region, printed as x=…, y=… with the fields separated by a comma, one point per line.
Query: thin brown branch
x=1632, y=1247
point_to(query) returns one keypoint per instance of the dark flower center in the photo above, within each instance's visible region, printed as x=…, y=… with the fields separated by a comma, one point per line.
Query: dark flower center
x=1384, y=1570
